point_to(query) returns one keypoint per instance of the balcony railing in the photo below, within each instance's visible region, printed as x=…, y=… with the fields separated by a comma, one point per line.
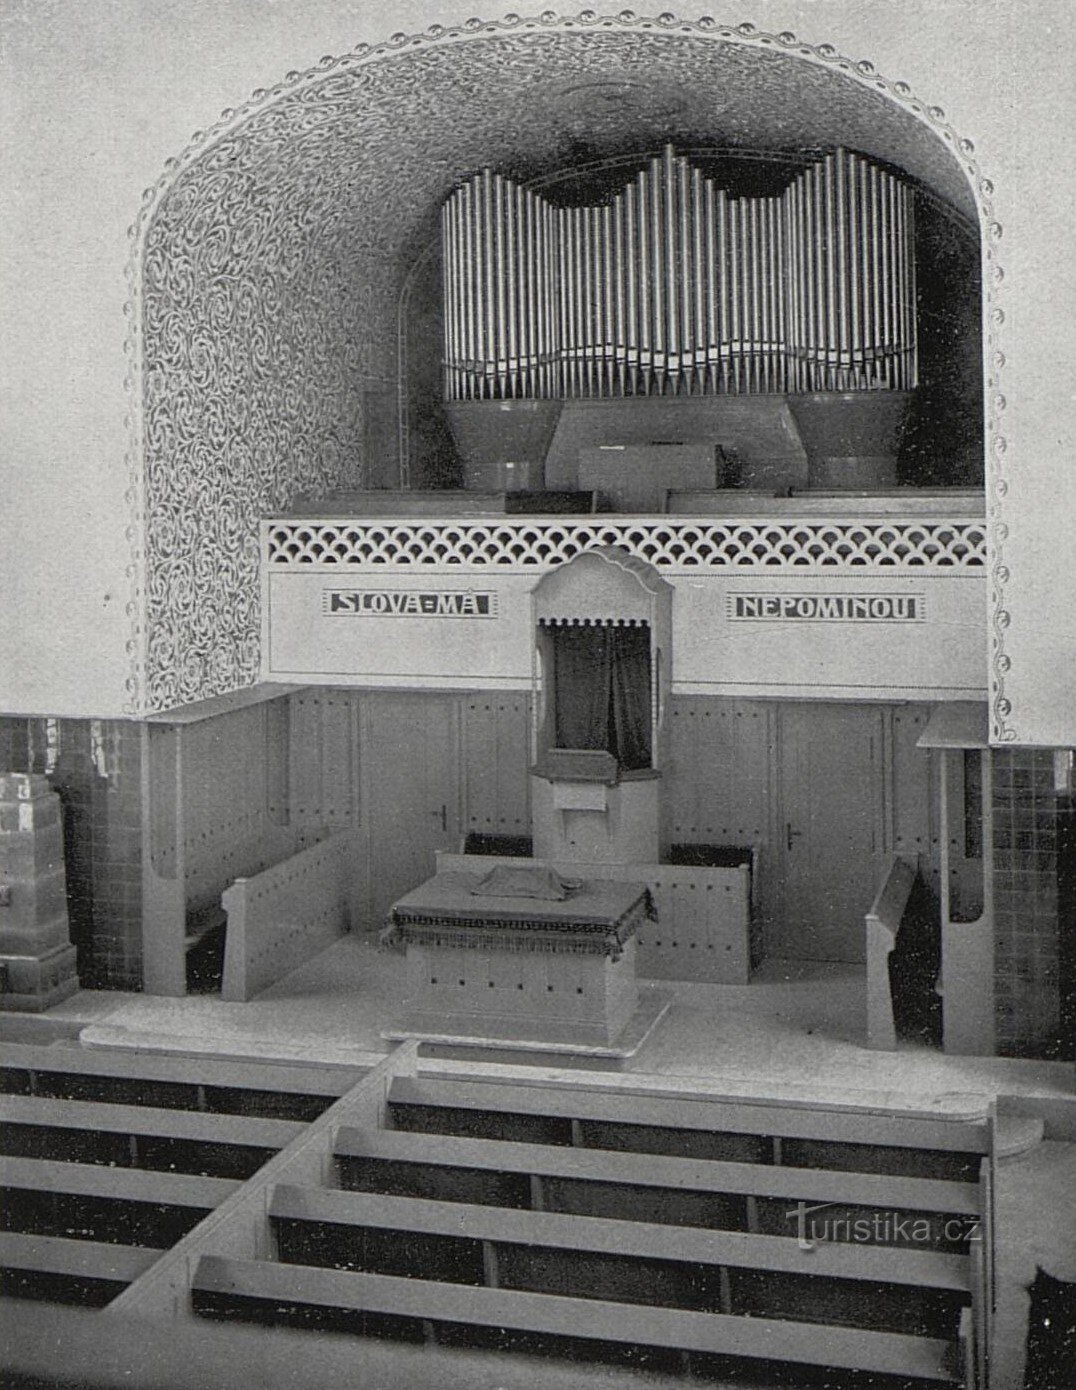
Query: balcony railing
x=780, y=540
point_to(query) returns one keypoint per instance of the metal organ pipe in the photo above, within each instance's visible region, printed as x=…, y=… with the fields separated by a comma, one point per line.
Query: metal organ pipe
x=631, y=294
x=673, y=286
x=607, y=284
x=656, y=304
x=620, y=298
x=710, y=287
x=854, y=275
x=699, y=345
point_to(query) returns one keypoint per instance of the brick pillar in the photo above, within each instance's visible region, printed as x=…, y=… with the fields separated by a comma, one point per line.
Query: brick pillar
x=37, y=959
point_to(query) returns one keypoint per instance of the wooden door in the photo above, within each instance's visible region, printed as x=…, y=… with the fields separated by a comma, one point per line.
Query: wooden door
x=829, y=829
x=411, y=761
x=496, y=758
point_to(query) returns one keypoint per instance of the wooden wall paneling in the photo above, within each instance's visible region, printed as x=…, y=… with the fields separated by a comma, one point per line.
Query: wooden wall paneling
x=224, y=792
x=749, y=736
x=358, y=807
x=686, y=776
x=164, y=968
x=276, y=731
x=338, y=754
x=305, y=760
x=325, y=793
x=912, y=805
x=496, y=754
x=768, y=887
x=511, y=760
x=480, y=757
x=829, y=848
x=718, y=783
x=412, y=789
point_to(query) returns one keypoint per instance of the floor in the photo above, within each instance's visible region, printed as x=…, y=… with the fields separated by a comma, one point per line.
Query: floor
x=797, y=1029
x=796, y=1032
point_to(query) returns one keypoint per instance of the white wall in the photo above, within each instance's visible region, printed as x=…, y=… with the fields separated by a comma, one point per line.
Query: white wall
x=99, y=93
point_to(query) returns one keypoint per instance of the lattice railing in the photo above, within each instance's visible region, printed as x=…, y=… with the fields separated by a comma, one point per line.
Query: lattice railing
x=670, y=544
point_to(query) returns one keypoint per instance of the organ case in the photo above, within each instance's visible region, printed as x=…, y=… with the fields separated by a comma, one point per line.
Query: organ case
x=675, y=287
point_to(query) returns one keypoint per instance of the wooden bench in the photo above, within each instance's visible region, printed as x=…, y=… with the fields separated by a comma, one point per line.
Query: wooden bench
x=223, y=1285
x=272, y=1090
x=740, y=1130
x=643, y=1240
x=122, y=1211
x=83, y=1259
x=655, y=1188
x=229, y=1146
x=286, y=914
x=56, y=1176
x=883, y=924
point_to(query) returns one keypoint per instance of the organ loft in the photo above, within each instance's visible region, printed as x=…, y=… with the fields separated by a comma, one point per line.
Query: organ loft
x=573, y=867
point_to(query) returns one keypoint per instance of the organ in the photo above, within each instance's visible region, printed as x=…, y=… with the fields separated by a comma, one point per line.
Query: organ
x=676, y=288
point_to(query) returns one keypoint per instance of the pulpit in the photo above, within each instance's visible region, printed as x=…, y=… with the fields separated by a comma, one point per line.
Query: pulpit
x=603, y=646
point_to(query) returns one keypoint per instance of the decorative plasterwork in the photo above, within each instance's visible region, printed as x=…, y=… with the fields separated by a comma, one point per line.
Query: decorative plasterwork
x=523, y=544
x=267, y=258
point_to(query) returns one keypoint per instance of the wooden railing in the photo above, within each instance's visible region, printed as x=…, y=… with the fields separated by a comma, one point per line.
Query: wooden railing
x=286, y=914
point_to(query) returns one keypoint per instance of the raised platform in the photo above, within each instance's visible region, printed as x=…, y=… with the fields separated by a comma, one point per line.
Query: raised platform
x=797, y=1031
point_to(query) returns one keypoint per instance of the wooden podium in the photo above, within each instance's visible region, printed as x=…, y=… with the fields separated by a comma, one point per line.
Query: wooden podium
x=585, y=810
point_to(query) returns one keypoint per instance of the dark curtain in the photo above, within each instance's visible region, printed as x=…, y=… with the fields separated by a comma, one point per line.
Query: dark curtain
x=601, y=682
x=629, y=695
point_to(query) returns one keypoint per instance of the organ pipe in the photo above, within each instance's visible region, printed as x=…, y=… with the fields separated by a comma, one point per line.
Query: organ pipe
x=674, y=287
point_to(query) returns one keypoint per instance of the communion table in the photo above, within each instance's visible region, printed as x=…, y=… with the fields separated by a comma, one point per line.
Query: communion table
x=523, y=959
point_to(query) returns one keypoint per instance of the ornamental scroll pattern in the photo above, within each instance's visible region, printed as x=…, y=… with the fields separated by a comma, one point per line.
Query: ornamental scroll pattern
x=268, y=259
x=254, y=388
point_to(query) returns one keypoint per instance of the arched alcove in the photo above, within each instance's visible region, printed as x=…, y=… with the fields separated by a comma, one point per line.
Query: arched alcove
x=270, y=261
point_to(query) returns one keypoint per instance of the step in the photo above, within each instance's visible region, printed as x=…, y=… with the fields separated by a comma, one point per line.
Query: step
x=494, y=1156
x=561, y=1116
x=217, y=1277
x=635, y=1239
x=80, y=1259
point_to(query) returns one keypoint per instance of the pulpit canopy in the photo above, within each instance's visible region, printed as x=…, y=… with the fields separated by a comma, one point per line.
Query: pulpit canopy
x=606, y=585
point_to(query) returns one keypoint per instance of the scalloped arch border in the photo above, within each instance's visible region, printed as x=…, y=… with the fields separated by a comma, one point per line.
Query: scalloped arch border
x=704, y=28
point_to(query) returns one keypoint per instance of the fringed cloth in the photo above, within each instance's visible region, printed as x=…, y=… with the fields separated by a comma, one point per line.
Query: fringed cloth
x=596, y=919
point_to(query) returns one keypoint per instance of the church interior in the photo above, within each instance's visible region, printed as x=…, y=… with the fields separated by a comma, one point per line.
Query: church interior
x=565, y=897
